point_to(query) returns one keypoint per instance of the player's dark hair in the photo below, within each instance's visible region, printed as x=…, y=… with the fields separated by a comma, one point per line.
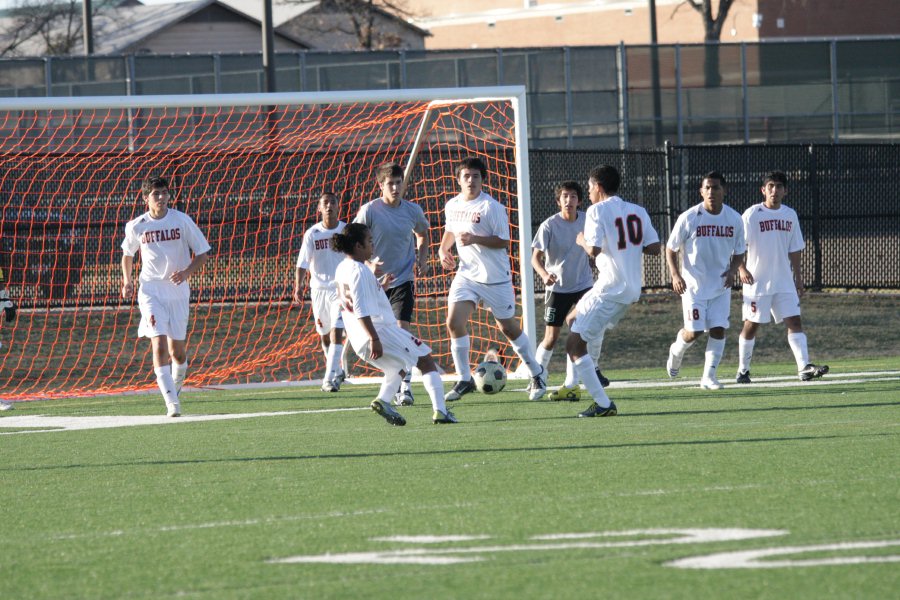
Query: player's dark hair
x=776, y=176
x=329, y=193
x=153, y=182
x=345, y=241
x=607, y=177
x=714, y=175
x=569, y=186
x=472, y=162
x=388, y=170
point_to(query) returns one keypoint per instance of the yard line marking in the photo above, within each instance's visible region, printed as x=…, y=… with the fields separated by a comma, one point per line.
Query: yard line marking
x=750, y=559
x=430, y=539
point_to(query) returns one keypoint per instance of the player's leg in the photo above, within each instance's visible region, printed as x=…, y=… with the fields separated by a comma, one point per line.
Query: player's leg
x=431, y=379
x=461, y=302
x=592, y=317
x=392, y=367
x=403, y=301
x=684, y=339
x=756, y=311
x=715, y=319
x=501, y=301
x=335, y=353
x=554, y=317
x=786, y=307
x=155, y=322
x=178, y=353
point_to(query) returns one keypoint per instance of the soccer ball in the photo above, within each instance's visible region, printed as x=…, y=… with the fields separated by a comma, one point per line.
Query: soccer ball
x=490, y=377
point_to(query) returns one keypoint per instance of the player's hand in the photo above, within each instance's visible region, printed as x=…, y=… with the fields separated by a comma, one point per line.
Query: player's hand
x=8, y=306
x=798, y=283
x=745, y=276
x=178, y=277
x=127, y=290
x=421, y=266
x=729, y=278
x=298, y=295
x=386, y=280
x=375, y=349
x=678, y=285
x=465, y=238
x=550, y=279
x=447, y=261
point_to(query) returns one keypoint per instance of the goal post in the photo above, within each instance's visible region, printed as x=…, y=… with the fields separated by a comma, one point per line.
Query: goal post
x=249, y=169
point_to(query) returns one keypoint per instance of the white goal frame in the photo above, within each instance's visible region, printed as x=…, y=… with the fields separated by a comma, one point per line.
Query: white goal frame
x=516, y=95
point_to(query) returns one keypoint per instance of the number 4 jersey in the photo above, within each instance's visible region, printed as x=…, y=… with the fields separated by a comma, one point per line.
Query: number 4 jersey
x=621, y=230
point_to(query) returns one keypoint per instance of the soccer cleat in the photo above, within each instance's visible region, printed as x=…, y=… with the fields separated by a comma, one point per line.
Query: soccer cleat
x=390, y=415
x=404, y=398
x=339, y=378
x=568, y=394
x=812, y=371
x=537, y=388
x=173, y=409
x=603, y=380
x=460, y=389
x=443, y=418
x=6, y=405
x=329, y=386
x=673, y=365
x=595, y=410
x=743, y=377
x=710, y=383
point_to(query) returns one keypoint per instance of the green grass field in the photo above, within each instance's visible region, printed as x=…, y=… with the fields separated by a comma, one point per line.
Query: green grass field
x=316, y=497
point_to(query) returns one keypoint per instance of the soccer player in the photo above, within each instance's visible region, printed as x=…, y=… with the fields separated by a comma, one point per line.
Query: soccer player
x=317, y=258
x=479, y=227
x=710, y=238
x=9, y=315
x=166, y=239
x=400, y=234
x=617, y=233
x=566, y=271
x=771, y=276
x=373, y=331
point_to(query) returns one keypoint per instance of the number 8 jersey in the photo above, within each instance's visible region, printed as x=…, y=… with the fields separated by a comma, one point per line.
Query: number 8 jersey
x=621, y=230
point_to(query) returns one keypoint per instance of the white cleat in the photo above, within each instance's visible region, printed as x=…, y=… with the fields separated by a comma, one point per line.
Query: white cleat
x=673, y=364
x=173, y=409
x=6, y=405
x=710, y=383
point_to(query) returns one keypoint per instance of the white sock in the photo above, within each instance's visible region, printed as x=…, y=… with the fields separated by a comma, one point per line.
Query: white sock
x=407, y=379
x=586, y=370
x=179, y=372
x=435, y=388
x=797, y=342
x=714, y=350
x=389, y=386
x=522, y=346
x=332, y=360
x=459, y=348
x=745, y=353
x=571, y=375
x=344, y=361
x=542, y=355
x=166, y=384
x=679, y=346
x=595, y=346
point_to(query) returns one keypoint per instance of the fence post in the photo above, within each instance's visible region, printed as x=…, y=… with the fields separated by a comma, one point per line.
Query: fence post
x=835, y=103
x=570, y=143
x=623, y=97
x=678, y=106
x=670, y=208
x=745, y=101
x=816, y=215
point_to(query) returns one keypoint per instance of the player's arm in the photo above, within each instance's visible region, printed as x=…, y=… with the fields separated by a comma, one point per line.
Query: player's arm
x=422, y=253
x=127, y=270
x=794, y=258
x=653, y=249
x=488, y=241
x=299, y=277
x=447, y=260
x=197, y=262
x=375, y=349
x=537, y=261
x=589, y=248
x=678, y=285
x=731, y=275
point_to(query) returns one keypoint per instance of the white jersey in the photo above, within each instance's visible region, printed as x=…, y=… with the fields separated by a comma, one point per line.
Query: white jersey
x=562, y=256
x=771, y=236
x=361, y=295
x=708, y=242
x=317, y=256
x=392, y=230
x=166, y=245
x=621, y=230
x=482, y=216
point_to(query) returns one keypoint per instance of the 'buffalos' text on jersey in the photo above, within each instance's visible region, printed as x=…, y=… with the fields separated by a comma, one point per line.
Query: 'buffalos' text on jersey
x=621, y=230
x=318, y=258
x=482, y=216
x=166, y=245
x=771, y=236
x=708, y=242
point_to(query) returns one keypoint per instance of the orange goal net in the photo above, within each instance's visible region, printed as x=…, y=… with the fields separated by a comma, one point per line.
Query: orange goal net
x=249, y=170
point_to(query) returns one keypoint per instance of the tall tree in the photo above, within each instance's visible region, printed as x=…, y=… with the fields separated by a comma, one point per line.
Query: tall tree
x=44, y=27
x=364, y=22
x=712, y=25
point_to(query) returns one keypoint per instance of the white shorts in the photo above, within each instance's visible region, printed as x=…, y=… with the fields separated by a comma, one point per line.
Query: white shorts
x=703, y=315
x=759, y=309
x=326, y=310
x=401, y=349
x=594, y=315
x=499, y=298
x=163, y=316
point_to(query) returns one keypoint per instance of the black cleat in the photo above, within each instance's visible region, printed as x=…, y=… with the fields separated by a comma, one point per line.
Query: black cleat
x=460, y=389
x=595, y=410
x=390, y=415
x=743, y=377
x=603, y=380
x=812, y=371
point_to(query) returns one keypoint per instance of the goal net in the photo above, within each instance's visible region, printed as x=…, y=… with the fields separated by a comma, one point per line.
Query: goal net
x=249, y=170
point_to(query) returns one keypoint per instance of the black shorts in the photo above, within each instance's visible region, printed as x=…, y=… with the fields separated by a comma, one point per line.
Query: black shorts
x=403, y=300
x=558, y=304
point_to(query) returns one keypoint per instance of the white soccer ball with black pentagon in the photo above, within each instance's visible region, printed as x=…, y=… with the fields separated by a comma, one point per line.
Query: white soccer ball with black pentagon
x=490, y=377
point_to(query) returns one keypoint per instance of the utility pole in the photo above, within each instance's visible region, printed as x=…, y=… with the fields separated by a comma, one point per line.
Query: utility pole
x=268, y=46
x=88, y=29
x=654, y=76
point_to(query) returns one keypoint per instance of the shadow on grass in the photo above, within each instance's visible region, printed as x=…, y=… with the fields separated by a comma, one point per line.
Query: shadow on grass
x=454, y=452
